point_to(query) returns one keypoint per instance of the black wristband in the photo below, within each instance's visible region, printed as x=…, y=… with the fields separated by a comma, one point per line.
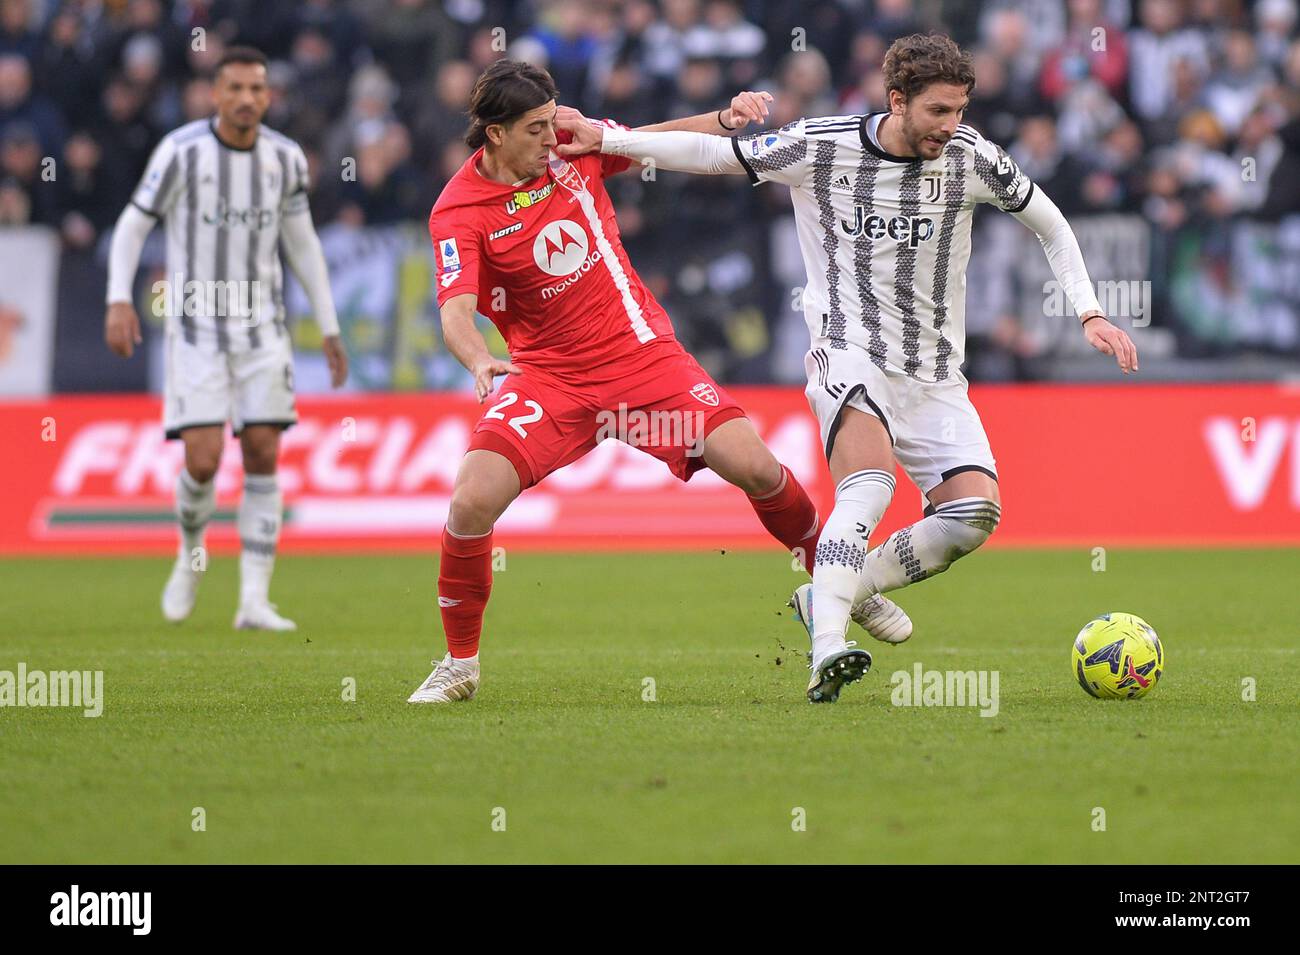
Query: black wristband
x=1088, y=319
x=730, y=129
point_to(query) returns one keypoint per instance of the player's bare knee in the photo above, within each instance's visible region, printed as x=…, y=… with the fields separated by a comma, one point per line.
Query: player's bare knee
x=202, y=459
x=260, y=452
x=474, y=510
x=760, y=476
x=260, y=460
x=202, y=469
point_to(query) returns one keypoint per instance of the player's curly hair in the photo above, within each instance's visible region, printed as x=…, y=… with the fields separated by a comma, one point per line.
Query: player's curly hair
x=914, y=62
x=506, y=90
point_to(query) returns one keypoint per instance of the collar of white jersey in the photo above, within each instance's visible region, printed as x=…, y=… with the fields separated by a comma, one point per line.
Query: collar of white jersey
x=869, y=144
x=212, y=125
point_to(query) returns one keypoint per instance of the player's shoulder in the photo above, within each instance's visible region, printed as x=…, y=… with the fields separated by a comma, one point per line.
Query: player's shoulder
x=993, y=166
x=805, y=128
x=461, y=204
x=974, y=142
x=828, y=126
x=187, y=135
x=279, y=140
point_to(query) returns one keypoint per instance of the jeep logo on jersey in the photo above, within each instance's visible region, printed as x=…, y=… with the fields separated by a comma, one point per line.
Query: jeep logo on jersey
x=560, y=248
x=706, y=393
x=910, y=229
x=225, y=216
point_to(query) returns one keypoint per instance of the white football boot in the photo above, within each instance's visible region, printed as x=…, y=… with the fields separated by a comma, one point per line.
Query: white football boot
x=878, y=615
x=451, y=681
x=883, y=619
x=261, y=615
x=181, y=591
x=831, y=674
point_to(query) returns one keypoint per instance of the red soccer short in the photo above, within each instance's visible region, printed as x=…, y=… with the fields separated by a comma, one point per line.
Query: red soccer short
x=666, y=409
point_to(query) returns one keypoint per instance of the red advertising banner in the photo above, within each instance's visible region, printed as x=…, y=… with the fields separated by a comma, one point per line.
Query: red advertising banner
x=1078, y=465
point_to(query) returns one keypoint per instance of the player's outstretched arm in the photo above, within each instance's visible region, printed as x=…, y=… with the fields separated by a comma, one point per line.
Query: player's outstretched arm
x=121, y=324
x=303, y=250
x=467, y=344
x=677, y=151
x=1063, y=254
x=745, y=108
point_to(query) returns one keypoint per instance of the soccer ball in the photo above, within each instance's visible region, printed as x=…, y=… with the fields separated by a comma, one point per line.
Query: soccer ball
x=1118, y=657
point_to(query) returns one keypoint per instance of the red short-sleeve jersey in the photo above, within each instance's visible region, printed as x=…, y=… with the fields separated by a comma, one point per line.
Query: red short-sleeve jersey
x=548, y=266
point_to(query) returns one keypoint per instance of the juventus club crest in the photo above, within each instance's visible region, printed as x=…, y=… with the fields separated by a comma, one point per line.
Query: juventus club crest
x=933, y=188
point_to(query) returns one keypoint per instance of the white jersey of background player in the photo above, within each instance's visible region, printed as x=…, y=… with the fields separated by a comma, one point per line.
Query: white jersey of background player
x=883, y=206
x=231, y=194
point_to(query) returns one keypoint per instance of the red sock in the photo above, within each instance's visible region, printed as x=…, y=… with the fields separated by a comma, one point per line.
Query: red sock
x=464, y=583
x=791, y=517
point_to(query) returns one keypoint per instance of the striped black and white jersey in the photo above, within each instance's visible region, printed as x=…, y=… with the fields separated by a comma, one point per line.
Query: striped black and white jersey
x=222, y=208
x=885, y=239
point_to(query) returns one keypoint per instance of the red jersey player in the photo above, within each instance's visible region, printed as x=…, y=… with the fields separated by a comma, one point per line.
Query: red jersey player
x=531, y=241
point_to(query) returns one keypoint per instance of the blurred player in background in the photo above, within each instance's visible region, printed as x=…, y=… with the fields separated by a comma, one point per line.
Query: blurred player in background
x=883, y=206
x=231, y=193
x=532, y=242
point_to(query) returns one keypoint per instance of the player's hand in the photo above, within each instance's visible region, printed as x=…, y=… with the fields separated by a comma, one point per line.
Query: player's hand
x=485, y=373
x=587, y=136
x=1109, y=340
x=746, y=108
x=122, y=329
x=337, y=359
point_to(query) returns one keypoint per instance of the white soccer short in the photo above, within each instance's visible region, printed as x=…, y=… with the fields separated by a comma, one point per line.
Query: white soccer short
x=935, y=429
x=205, y=386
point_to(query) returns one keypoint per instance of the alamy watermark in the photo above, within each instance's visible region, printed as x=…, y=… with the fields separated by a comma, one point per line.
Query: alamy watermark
x=1128, y=299
x=921, y=687
x=653, y=429
x=208, y=298
x=129, y=909
x=82, y=689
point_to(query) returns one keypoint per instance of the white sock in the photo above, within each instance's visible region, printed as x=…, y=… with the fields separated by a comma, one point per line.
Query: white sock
x=259, y=531
x=195, y=505
x=471, y=660
x=860, y=502
x=929, y=546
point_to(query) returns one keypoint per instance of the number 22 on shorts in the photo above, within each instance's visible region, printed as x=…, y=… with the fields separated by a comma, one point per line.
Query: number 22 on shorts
x=518, y=421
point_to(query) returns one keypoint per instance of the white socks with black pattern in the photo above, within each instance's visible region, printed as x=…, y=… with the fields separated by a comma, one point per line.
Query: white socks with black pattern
x=195, y=505
x=860, y=502
x=259, y=532
x=929, y=546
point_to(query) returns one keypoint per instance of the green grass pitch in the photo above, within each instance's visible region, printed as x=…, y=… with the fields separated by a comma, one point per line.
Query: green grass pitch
x=253, y=727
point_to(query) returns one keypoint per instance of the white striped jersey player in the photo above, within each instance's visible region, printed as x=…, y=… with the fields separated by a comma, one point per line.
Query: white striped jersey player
x=228, y=213
x=222, y=208
x=885, y=240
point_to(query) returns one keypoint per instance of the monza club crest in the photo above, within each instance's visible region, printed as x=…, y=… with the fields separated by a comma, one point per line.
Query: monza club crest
x=705, y=393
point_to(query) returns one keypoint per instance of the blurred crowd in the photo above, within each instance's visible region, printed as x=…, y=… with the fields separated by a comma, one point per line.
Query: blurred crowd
x=1182, y=111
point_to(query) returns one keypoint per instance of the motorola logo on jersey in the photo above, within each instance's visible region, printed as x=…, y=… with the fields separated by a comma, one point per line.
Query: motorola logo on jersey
x=560, y=248
x=910, y=229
